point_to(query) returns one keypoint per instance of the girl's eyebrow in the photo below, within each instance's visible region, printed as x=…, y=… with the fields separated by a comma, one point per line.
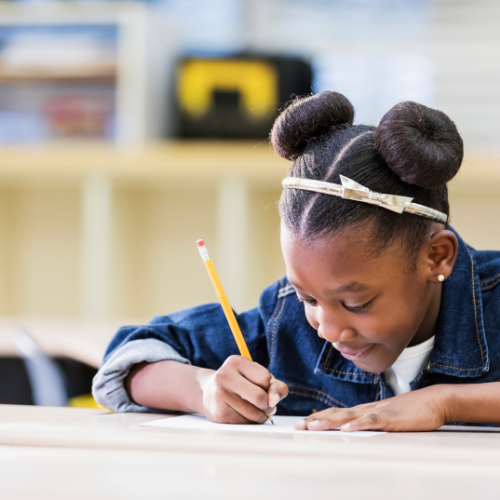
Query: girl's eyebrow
x=353, y=286
x=296, y=286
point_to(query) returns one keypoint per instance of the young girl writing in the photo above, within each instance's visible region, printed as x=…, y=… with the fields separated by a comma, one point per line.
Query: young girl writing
x=386, y=318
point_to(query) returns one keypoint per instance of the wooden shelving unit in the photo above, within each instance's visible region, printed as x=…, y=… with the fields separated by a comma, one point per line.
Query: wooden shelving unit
x=193, y=161
x=100, y=231
x=124, y=221
x=188, y=160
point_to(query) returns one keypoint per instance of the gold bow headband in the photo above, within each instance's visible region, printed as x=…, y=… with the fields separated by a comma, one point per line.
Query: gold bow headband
x=351, y=190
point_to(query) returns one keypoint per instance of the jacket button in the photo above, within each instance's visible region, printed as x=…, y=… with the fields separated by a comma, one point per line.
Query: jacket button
x=314, y=410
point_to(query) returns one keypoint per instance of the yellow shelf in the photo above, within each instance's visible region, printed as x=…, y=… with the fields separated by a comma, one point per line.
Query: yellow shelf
x=189, y=160
x=176, y=160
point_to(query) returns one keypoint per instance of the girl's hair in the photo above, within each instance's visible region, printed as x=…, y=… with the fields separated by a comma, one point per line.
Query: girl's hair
x=413, y=152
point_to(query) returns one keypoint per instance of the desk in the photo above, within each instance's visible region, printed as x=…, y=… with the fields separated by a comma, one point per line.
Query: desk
x=62, y=453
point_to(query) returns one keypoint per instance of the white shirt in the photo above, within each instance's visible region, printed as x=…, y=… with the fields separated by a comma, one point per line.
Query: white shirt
x=409, y=364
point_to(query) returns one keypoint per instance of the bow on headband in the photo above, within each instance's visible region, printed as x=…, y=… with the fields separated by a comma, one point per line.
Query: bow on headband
x=351, y=190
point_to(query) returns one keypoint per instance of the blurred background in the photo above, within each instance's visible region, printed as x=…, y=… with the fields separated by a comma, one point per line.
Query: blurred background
x=130, y=129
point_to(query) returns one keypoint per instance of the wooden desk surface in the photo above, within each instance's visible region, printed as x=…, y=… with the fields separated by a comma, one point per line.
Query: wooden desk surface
x=71, y=453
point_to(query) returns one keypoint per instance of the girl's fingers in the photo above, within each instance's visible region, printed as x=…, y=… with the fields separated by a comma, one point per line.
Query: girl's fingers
x=277, y=391
x=321, y=415
x=363, y=417
x=247, y=411
x=248, y=391
x=231, y=416
x=333, y=418
x=300, y=425
x=252, y=383
x=252, y=371
x=369, y=422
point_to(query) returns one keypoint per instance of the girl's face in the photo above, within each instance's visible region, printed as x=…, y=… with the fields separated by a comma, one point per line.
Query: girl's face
x=369, y=308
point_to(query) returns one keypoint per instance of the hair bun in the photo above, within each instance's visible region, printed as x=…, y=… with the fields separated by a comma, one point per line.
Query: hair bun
x=306, y=118
x=421, y=145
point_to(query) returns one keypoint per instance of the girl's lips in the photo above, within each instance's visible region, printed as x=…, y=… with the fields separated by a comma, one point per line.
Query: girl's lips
x=355, y=355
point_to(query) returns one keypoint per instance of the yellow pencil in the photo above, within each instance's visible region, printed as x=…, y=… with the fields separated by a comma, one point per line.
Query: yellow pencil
x=228, y=311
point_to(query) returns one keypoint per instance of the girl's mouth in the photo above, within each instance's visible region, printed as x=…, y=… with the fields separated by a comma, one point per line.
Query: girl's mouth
x=353, y=355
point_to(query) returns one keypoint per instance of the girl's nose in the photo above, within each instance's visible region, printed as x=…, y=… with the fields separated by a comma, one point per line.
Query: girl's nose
x=335, y=332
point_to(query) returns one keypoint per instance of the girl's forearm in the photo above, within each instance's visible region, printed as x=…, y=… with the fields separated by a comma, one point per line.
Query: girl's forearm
x=472, y=403
x=167, y=385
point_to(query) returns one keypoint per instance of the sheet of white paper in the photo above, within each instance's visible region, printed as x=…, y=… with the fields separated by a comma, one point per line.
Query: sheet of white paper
x=282, y=425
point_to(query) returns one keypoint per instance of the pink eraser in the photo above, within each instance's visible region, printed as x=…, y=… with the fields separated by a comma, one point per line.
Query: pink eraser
x=200, y=243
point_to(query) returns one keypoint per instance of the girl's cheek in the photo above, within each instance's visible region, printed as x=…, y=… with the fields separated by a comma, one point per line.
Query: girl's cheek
x=311, y=319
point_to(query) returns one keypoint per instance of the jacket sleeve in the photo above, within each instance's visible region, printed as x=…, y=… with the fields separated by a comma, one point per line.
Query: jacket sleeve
x=199, y=336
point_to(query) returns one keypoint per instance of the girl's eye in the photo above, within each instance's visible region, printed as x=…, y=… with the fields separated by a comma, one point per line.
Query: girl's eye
x=358, y=309
x=311, y=302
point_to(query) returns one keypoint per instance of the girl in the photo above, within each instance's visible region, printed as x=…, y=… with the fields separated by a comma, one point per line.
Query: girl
x=386, y=319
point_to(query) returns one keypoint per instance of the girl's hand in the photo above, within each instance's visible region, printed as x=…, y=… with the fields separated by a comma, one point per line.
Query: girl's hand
x=421, y=410
x=241, y=392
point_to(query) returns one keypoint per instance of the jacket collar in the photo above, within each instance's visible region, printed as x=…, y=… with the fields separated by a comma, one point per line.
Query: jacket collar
x=460, y=347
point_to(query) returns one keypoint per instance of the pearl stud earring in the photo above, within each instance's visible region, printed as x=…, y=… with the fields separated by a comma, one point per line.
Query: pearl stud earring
x=441, y=278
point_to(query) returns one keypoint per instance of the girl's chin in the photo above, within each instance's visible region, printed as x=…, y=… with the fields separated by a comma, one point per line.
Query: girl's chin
x=371, y=363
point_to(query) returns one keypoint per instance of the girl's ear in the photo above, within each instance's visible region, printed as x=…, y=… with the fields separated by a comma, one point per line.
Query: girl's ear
x=441, y=254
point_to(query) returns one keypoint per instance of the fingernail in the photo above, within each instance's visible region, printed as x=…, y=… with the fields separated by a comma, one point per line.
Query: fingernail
x=345, y=427
x=275, y=399
x=302, y=424
x=315, y=424
x=273, y=411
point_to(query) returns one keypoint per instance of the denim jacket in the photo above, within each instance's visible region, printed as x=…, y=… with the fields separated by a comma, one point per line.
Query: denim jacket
x=466, y=350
